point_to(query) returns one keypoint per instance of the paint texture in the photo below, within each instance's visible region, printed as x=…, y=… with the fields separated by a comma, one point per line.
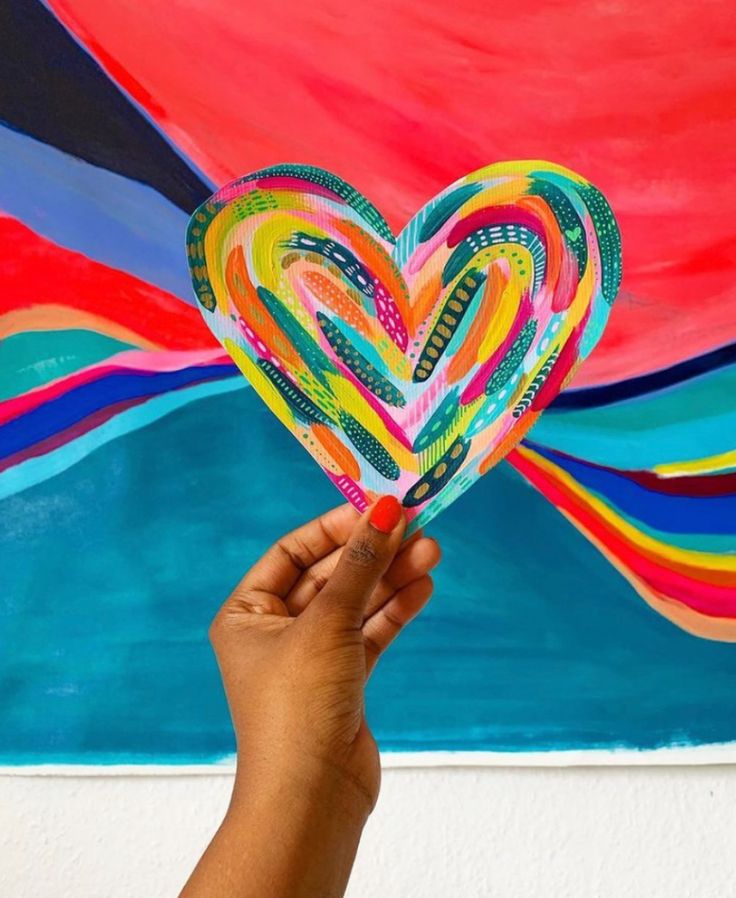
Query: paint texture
x=407, y=366
x=130, y=447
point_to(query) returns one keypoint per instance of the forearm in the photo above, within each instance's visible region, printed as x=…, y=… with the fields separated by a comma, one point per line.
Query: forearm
x=287, y=837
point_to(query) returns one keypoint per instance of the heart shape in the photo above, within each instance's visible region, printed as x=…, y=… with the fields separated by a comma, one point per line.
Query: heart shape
x=407, y=365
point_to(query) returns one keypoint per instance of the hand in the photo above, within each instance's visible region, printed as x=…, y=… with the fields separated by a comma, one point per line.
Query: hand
x=296, y=642
x=301, y=633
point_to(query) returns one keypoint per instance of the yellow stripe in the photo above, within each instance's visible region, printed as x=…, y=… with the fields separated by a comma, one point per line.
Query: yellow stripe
x=261, y=384
x=706, y=465
x=501, y=322
x=660, y=549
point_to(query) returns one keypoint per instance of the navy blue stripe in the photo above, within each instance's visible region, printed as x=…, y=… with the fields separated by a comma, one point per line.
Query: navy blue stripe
x=53, y=90
x=65, y=411
x=594, y=397
x=662, y=511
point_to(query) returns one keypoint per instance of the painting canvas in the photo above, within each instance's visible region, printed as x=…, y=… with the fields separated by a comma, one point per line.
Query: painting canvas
x=585, y=606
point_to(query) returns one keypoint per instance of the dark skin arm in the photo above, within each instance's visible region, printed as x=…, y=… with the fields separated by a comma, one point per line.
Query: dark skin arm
x=296, y=642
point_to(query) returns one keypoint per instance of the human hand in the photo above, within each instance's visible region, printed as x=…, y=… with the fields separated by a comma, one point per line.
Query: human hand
x=296, y=642
x=299, y=636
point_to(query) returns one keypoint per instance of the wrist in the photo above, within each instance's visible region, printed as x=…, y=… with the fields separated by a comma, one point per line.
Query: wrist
x=314, y=787
x=295, y=830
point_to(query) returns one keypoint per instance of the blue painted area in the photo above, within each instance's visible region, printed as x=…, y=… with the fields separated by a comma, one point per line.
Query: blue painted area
x=76, y=404
x=664, y=511
x=112, y=570
x=105, y=216
x=37, y=468
x=694, y=419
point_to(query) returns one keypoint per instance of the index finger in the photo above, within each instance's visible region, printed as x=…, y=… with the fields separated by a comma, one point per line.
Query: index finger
x=278, y=570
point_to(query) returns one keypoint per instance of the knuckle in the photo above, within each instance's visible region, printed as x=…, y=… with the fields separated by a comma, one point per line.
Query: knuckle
x=362, y=552
x=371, y=646
x=317, y=579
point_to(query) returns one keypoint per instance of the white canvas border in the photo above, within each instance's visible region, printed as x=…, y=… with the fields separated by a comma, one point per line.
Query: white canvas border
x=696, y=755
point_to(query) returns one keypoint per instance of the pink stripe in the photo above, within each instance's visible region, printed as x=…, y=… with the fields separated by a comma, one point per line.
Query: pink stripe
x=350, y=489
x=284, y=182
x=134, y=360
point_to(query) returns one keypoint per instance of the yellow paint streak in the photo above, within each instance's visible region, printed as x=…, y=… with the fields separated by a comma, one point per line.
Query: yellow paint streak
x=710, y=464
x=261, y=384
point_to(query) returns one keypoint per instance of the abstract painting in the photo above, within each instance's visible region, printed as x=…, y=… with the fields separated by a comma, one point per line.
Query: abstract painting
x=407, y=366
x=585, y=605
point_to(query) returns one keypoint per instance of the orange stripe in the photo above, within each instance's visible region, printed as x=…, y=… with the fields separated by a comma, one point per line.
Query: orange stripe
x=52, y=317
x=467, y=355
x=245, y=299
x=342, y=455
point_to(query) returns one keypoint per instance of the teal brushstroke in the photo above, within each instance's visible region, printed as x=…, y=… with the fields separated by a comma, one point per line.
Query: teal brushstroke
x=692, y=420
x=532, y=641
x=32, y=359
x=35, y=470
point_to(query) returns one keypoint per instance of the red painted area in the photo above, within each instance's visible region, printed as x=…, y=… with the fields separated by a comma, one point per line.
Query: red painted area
x=401, y=97
x=694, y=588
x=37, y=272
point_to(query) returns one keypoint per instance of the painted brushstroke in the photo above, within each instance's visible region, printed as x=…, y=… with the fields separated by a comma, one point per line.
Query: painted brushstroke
x=273, y=253
x=397, y=103
x=112, y=388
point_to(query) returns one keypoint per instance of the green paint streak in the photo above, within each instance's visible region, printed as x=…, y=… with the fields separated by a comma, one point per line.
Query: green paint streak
x=567, y=218
x=369, y=447
x=439, y=422
x=32, y=359
x=297, y=400
x=513, y=358
x=439, y=475
x=302, y=340
x=360, y=366
x=445, y=208
x=609, y=240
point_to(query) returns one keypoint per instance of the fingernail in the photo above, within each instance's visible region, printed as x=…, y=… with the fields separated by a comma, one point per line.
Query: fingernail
x=386, y=514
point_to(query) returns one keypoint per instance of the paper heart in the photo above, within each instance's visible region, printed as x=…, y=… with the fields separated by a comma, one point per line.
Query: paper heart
x=407, y=365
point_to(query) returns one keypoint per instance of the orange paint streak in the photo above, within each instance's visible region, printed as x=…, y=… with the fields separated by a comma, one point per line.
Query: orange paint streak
x=341, y=454
x=329, y=293
x=53, y=317
x=245, y=299
x=537, y=206
x=426, y=299
x=467, y=355
x=516, y=434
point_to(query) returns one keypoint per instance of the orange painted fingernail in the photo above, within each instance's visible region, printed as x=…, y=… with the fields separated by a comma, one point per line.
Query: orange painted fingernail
x=386, y=514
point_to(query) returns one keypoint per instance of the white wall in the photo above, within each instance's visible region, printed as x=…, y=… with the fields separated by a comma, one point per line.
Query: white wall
x=451, y=833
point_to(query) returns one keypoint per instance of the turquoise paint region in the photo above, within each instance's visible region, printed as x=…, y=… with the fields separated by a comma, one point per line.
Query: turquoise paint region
x=38, y=468
x=126, y=559
x=691, y=420
x=54, y=354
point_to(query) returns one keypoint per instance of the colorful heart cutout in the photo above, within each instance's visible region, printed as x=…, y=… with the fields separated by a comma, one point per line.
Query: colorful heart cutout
x=407, y=365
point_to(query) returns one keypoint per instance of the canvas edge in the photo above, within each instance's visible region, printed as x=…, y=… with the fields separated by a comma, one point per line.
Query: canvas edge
x=680, y=756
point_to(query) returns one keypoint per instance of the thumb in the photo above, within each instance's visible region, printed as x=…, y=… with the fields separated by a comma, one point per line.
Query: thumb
x=373, y=543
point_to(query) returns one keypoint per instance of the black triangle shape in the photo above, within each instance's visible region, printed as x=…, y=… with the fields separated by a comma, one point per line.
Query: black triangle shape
x=51, y=89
